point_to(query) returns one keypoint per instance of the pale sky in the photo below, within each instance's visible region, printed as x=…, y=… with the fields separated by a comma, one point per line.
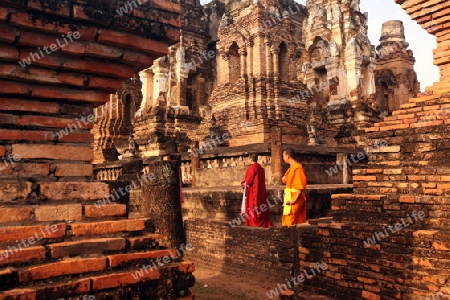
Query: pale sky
x=420, y=42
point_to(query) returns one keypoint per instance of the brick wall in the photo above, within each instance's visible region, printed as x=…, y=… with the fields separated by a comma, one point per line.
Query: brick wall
x=46, y=111
x=263, y=254
x=405, y=187
x=225, y=204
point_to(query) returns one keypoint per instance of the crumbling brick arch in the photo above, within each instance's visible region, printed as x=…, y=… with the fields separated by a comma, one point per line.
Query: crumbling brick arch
x=283, y=61
x=234, y=64
x=319, y=52
x=317, y=57
x=130, y=98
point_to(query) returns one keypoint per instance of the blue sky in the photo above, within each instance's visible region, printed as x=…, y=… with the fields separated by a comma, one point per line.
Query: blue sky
x=420, y=42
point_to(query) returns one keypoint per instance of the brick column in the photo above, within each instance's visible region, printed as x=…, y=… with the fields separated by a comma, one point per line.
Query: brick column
x=250, y=59
x=268, y=58
x=275, y=52
x=195, y=161
x=243, y=54
x=276, y=150
x=161, y=202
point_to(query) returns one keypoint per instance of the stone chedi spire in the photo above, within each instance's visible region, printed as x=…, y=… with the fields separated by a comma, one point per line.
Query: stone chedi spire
x=395, y=78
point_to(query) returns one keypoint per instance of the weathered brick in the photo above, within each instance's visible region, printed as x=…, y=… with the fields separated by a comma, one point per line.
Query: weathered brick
x=88, y=33
x=53, y=61
x=76, y=137
x=394, y=127
x=74, y=190
x=393, y=171
x=10, y=214
x=24, y=170
x=73, y=170
x=109, y=210
x=61, y=268
x=36, y=39
x=416, y=177
x=14, y=190
x=98, y=67
x=370, y=197
x=24, y=255
x=62, y=10
x=386, y=149
x=7, y=119
x=144, y=242
x=370, y=296
x=443, y=186
x=74, y=287
x=14, y=88
x=24, y=20
x=123, y=278
x=105, y=83
x=80, y=14
x=2, y=153
x=136, y=42
x=126, y=278
x=19, y=294
x=13, y=233
x=74, y=48
x=9, y=53
x=67, y=249
x=4, y=13
x=41, y=76
x=105, y=51
x=29, y=105
x=6, y=278
x=441, y=245
x=96, y=228
x=365, y=178
x=374, y=171
x=70, y=94
x=52, y=152
x=61, y=212
x=167, y=5
x=8, y=33
x=38, y=135
x=407, y=199
x=10, y=135
x=138, y=58
x=118, y=260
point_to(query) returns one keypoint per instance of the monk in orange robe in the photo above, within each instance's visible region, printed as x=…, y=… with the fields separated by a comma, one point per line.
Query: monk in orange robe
x=295, y=180
x=256, y=208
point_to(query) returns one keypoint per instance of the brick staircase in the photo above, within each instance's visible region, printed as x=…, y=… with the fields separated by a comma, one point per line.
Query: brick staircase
x=95, y=251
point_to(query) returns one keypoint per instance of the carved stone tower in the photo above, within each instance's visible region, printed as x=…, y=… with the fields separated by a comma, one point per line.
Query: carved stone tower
x=339, y=58
x=396, y=80
x=176, y=88
x=259, y=55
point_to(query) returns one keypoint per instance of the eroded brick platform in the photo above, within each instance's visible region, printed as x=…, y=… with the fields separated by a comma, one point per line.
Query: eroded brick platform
x=55, y=242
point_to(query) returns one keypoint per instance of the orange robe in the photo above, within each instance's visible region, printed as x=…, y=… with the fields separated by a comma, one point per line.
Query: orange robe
x=296, y=179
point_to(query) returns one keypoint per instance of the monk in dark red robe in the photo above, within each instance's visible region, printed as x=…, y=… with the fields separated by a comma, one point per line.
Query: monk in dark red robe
x=256, y=208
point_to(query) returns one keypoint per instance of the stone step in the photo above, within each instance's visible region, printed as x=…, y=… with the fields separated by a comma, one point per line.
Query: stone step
x=433, y=96
x=38, y=231
x=311, y=296
x=34, y=244
x=80, y=265
x=291, y=295
x=101, y=245
x=93, y=284
x=19, y=213
x=107, y=227
x=358, y=197
x=438, y=87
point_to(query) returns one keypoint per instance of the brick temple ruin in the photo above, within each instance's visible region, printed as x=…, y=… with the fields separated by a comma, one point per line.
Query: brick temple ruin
x=210, y=85
x=55, y=242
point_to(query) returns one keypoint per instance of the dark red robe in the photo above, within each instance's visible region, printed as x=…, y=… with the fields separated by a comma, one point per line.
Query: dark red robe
x=256, y=196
